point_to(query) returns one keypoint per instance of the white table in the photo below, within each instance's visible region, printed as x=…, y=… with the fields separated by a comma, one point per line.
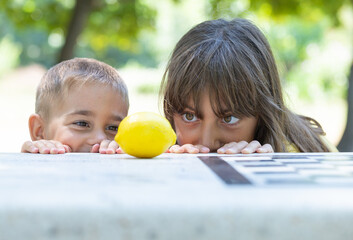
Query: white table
x=176, y=196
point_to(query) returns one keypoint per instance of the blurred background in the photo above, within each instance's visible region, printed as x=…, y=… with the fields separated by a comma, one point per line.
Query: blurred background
x=312, y=41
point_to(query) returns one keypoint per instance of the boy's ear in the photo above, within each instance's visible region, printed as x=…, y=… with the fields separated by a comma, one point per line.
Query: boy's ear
x=36, y=127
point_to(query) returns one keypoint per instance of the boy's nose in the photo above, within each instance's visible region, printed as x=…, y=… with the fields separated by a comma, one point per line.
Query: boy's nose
x=97, y=137
x=209, y=138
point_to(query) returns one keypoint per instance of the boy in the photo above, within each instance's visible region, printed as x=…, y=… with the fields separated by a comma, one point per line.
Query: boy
x=79, y=106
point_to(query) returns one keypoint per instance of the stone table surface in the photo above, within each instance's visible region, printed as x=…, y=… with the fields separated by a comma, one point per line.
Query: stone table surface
x=176, y=196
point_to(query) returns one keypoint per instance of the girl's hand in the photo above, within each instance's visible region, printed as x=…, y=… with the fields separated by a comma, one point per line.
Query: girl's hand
x=188, y=148
x=106, y=147
x=45, y=147
x=245, y=147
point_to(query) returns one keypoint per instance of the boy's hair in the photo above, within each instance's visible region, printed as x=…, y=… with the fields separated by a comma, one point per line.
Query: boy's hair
x=233, y=62
x=59, y=79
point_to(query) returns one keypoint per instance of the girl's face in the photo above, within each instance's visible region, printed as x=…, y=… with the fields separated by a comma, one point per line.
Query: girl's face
x=208, y=129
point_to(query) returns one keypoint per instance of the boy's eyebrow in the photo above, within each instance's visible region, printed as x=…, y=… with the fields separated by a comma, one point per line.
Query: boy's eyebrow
x=81, y=112
x=115, y=117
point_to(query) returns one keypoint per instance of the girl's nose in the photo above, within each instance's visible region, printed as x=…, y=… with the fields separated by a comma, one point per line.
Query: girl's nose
x=209, y=138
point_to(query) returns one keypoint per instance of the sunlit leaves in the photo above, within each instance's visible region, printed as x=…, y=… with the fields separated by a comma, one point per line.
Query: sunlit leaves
x=111, y=23
x=311, y=10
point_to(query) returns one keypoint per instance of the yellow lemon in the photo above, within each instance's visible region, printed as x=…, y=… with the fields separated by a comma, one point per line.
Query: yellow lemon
x=145, y=135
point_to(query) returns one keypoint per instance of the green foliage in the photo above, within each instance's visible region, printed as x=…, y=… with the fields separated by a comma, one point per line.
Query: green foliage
x=120, y=32
x=113, y=24
x=148, y=88
x=12, y=51
x=309, y=10
x=290, y=38
x=39, y=14
x=118, y=23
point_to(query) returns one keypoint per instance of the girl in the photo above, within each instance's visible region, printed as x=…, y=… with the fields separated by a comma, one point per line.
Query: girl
x=221, y=92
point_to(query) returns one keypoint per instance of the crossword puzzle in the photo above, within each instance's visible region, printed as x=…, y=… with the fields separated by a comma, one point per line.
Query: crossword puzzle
x=335, y=170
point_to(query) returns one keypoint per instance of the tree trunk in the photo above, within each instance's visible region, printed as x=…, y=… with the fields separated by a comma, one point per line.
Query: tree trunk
x=346, y=143
x=77, y=23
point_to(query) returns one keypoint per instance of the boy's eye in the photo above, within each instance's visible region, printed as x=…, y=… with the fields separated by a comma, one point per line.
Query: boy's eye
x=230, y=119
x=189, y=117
x=112, y=128
x=82, y=124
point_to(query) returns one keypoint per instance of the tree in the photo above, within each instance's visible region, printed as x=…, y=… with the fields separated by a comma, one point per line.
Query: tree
x=279, y=9
x=98, y=23
x=346, y=143
x=78, y=21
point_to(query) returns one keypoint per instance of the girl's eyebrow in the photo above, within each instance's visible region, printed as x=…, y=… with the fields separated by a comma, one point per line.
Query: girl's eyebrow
x=226, y=111
x=189, y=107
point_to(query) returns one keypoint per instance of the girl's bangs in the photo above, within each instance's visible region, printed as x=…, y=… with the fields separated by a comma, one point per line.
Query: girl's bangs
x=229, y=95
x=231, y=89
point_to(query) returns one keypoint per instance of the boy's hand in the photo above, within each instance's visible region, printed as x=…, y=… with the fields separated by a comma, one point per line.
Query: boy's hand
x=45, y=147
x=188, y=148
x=245, y=147
x=106, y=147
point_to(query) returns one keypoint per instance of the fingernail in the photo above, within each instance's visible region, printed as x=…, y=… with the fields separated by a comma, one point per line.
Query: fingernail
x=34, y=149
x=204, y=149
x=245, y=150
x=46, y=150
x=110, y=151
x=54, y=151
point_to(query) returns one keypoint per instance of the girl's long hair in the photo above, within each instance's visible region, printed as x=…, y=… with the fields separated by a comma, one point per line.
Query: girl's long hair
x=233, y=62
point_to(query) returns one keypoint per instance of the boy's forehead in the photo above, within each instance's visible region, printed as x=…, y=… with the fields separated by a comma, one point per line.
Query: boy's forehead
x=86, y=94
x=93, y=86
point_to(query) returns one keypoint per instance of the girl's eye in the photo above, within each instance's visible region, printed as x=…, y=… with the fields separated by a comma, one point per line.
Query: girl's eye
x=189, y=117
x=81, y=124
x=230, y=119
x=112, y=128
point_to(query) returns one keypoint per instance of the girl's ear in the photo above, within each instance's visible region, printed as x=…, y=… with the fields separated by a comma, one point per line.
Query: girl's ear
x=36, y=127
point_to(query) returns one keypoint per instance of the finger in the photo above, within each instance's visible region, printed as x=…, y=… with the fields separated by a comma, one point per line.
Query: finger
x=189, y=148
x=95, y=148
x=251, y=147
x=267, y=148
x=223, y=149
x=59, y=147
x=104, y=146
x=67, y=148
x=112, y=147
x=53, y=146
x=29, y=147
x=174, y=149
x=120, y=150
x=202, y=149
x=44, y=146
x=233, y=147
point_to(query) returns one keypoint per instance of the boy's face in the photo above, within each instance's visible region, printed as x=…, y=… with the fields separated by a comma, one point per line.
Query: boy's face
x=209, y=130
x=85, y=117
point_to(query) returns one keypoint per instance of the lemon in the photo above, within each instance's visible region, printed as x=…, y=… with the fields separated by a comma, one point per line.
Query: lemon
x=145, y=135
